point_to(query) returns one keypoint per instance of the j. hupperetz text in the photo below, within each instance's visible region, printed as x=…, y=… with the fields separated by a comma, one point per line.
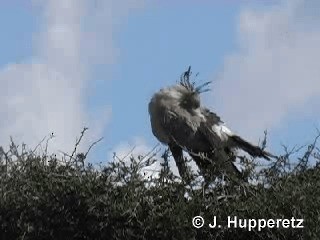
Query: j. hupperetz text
x=259, y=224
x=249, y=224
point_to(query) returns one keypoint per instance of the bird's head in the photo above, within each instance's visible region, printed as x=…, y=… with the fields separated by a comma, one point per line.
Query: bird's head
x=186, y=98
x=184, y=94
x=190, y=93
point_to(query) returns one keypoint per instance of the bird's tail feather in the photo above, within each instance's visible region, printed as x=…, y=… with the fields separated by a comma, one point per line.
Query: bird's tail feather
x=253, y=150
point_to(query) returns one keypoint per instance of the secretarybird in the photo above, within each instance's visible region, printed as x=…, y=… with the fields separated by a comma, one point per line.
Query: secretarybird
x=180, y=121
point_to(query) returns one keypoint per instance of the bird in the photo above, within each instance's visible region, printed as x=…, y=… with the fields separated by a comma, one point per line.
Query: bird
x=179, y=121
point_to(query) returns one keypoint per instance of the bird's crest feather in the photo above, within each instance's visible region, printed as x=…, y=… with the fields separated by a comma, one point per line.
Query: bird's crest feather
x=191, y=86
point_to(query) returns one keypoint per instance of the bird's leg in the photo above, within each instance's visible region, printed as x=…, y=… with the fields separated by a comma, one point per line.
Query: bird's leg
x=203, y=164
x=180, y=162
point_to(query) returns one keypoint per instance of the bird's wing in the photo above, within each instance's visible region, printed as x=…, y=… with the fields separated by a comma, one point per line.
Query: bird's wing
x=202, y=131
x=211, y=117
x=179, y=125
x=182, y=128
x=197, y=134
x=213, y=128
x=216, y=136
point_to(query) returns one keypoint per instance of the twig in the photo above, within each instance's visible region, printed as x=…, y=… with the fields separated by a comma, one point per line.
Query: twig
x=152, y=150
x=78, y=142
x=47, y=143
x=122, y=159
x=38, y=145
x=94, y=143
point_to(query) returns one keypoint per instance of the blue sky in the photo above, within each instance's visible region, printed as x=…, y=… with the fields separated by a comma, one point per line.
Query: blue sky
x=156, y=47
x=66, y=66
x=16, y=42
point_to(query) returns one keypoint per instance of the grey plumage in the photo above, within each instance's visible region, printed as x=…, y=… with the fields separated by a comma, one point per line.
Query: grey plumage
x=179, y=121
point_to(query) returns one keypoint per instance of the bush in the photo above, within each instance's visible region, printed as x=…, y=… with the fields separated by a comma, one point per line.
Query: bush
x=42, y=197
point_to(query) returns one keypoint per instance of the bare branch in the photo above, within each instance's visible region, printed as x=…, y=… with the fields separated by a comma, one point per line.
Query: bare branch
x=94, y=143
x=78, y=142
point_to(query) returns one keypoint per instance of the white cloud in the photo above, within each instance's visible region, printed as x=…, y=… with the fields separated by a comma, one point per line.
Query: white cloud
x=137, y=146
x=47, y=93
x=276, y=69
